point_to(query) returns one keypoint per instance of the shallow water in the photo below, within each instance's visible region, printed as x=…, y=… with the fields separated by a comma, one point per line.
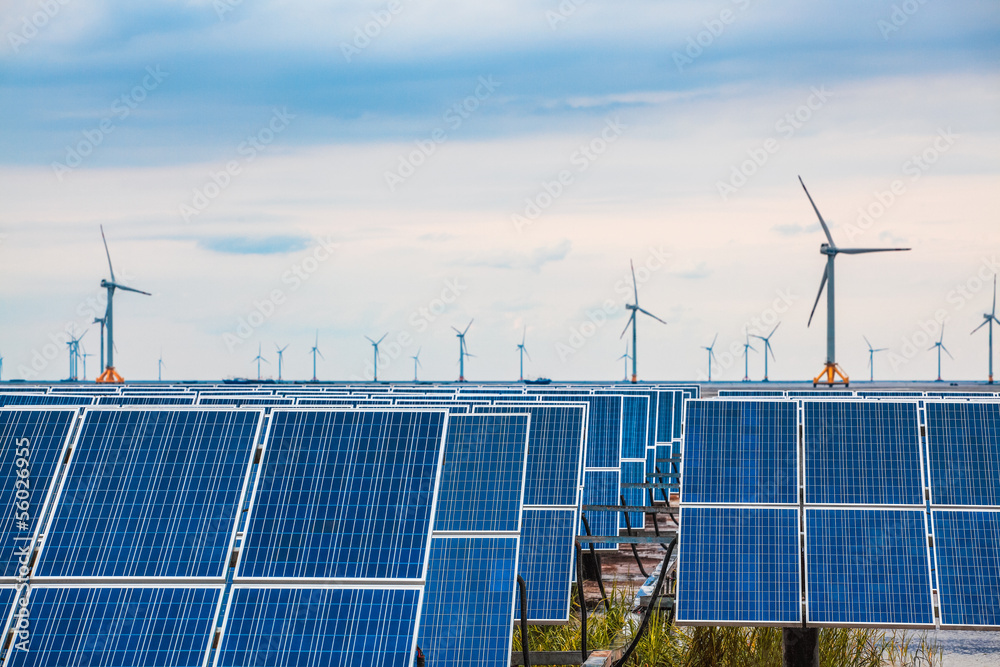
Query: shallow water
x=968, y=649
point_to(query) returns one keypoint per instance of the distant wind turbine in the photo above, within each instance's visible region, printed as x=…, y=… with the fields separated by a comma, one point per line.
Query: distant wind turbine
x=110, y=374
x=159, y=368
x=767, y=346
x=375, y=345
x=990, y=318
x=626, y=357
x=831, y=371
x=1, y=367
x=711, y=355
x=259, y=359
x=74, y=355
x=871, y=358
x=746, y=358
x=634, y=307
x=416, y=363
x=281, y=352
x=940, y=346
x=463, y=351
x=314, y=351
x=523, y=351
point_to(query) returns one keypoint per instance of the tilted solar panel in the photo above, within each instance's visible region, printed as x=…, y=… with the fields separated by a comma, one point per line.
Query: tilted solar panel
x=967, y=551
x=312, y=626
x=635, y=417
x=740, y=451
x=604, y=431
x=862, y=453
x=868, y=567
x=963, y=442
x=635, y=472
x=739, y=565
x=119, y=626
x=140, y=399
x=344, y=494
x=601, y=487
x=546, y=563
x=150, y=493
x=7, y=400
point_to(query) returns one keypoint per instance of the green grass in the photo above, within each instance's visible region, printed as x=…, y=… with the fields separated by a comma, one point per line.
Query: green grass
x=665, y=645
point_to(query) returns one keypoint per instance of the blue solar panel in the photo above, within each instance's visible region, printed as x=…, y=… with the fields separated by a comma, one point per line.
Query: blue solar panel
x=601, y=487
x=555, y=443
x=119, y=627
x=482, y=478
x=43, y=399
x=307, y=627
x=249, y=401
x=635, y=417
x=634, y=472
x=759, y=393
x=868, y=566
x=739, y=565
x=468, y=611
x=740, y=452
x=890, y=394
x=963, y=442
x=344, y=494
x=967, y=550
x=31, y=440
x=862, y=453
x=604, y=427
x=546, y=563
x=139, y=399
x=821, y=393
x=151, y=493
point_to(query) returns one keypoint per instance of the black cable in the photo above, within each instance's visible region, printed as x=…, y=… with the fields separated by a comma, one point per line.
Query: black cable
x=524, y=619
x=628, y=531
x=656, y=523
x=597, y=562
x=583, y=600
x=666, y=499
x=649, y=608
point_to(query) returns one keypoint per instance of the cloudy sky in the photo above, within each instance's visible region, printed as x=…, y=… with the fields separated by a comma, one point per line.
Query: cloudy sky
x=273, y=168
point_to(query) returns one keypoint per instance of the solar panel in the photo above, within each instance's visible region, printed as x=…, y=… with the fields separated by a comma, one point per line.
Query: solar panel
x=963, y=442
x=739, y=451
x=119, y=626
x=344, y=494
x=546, y=563
x=635, y=416
x=601, y=487
x=821, y=393
x=890, y=394
x=868, y=566
x=862, y=453
x=150, y=493
x=469, y=602
x=240, y=401
x=967, y=553
x=32, y=440
x=140, y=399
x=604, y=432
x=282, y=627
x=482, y=480
x=739, y=565
x=7, y=400
x=758, y=393
x=634, y=472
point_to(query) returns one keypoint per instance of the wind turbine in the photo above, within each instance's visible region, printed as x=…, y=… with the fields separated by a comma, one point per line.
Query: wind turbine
x=831, y=371
x=84, y=356
x=101, y=321
x=711, y=355
x=159, y=368
x=626, y=357
x=462, y=351
x=416, y=363
x=990, y=318
x=110, y=374
x=523, y=351
x=74, y=355
x=315, y=351
x=375, y=345
x=259, y=359
x=767, y=346
x=281, y=351
x=746, y=358
x=634, y=307
x=940, y=346
x=871, y=357
x=1, y=368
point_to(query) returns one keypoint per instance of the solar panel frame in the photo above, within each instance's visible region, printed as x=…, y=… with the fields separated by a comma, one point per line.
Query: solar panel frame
x=982, y=548
x=556, y=575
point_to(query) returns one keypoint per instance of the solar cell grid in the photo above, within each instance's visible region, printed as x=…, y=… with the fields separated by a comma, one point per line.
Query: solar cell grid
x=545, y=562
x=601, y=487
x=967, y=551
x=7, y=400
x=635, y=417
x=963, y=441
x=604, y=432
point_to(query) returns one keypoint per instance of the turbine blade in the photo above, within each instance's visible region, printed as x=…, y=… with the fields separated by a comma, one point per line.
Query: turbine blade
x=862, y=251
x=771, y=350
x=383, y=337
x=635, y=285
x=631, y=321
x=524, y=334
x=643, y=310
x=713, y=341
x=946, y=351
x=456, y=331
x=320, y=354
x=867, y=341
x=108, y=253
x=370, y=340
x=774, y=329
x=826, y=230
x=822, y=284
x=468, y=325
x=985, y=321
x=131, y=289
x=526, y=353
x=994, y=311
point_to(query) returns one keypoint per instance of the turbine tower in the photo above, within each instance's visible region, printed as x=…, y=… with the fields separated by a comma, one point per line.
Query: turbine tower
x=990, y=318
x=940, y=346
x=416, y=363
x=259, y=359
x=1, y=368
x=84, y=356
x=110, y=374
x=523, y=351
x=634, y=307
x=831, y=371
x=711, y=355
x=871, y=358
x=281, y=352
x=101, y=321
x=159, y=368
x=767, y=346
x=314, y=351
x=626, y=357
x=746, y=358
x=375, y=345
x=74, y=356
x=462, y=351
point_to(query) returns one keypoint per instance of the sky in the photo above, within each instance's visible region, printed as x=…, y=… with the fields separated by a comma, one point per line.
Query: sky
x=277, y=171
